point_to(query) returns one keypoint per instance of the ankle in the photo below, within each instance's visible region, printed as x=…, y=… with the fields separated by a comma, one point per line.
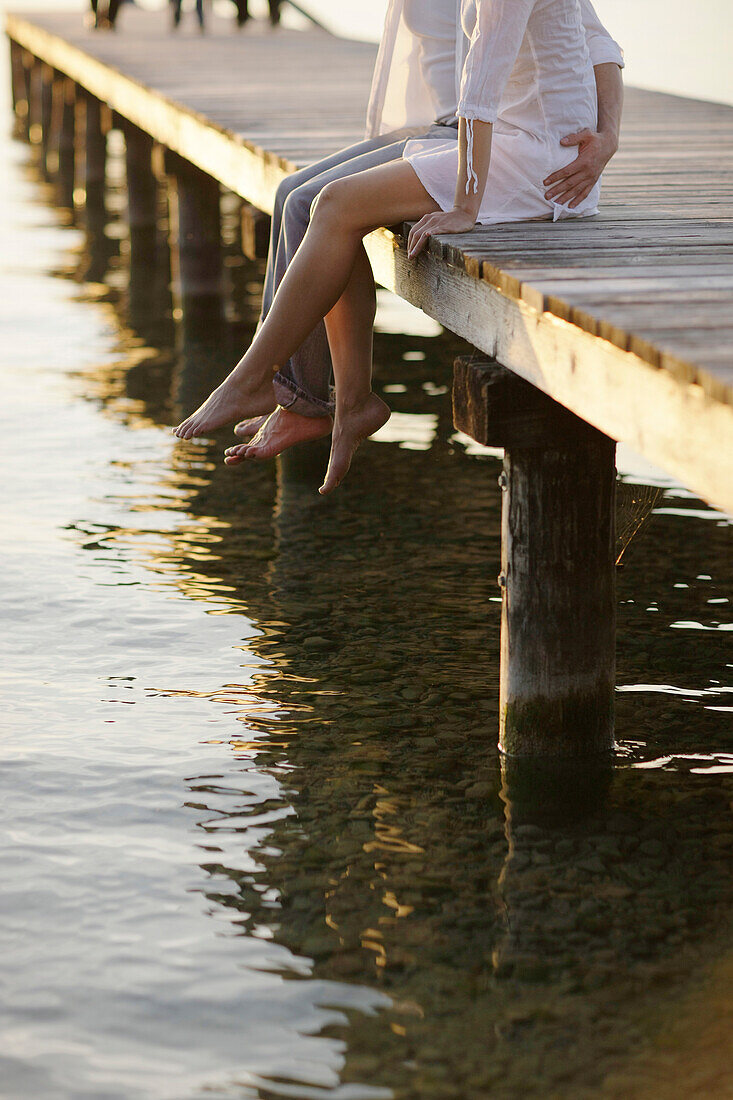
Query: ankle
x=252, y=371
x=353, y=403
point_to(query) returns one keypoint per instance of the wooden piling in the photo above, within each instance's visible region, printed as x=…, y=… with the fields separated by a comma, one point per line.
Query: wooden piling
x=196, y=250
x=557, y=573
x=95, y=162
x=46, y=79
x=149, y=285
x=142, y=195
x=34, y=76
x=142, y=186
x=63, y=149
x=255, y=232
x=18, y=86
x=26, y=75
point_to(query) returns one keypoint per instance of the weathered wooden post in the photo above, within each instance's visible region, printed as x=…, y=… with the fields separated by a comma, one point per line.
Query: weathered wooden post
x=145, y=300
x=34, y=76
x=46, y=104
x=196, y=252
x=255, y=227
x=18, y=87
x=95, y=163
x=557, y=579
x=26, y=74
x=196, y=260
x=63, y=151
x=142, y=196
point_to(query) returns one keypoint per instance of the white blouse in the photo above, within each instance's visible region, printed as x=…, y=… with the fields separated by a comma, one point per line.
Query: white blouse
x=441, y=56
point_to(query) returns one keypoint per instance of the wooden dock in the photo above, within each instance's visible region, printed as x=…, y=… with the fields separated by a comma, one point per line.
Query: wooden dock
x=623, y=320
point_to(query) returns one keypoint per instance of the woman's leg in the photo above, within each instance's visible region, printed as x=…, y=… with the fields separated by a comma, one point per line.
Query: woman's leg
x=346, y=211
x=359, y=412
x=302, y=385
x=350, y=329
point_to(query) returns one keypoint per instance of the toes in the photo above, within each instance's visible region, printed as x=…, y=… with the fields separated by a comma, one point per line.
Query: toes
x=249, y=427
x=234, y=455
x=236, y=449
x=332, y=479
x=331, y=482
x=186, y=429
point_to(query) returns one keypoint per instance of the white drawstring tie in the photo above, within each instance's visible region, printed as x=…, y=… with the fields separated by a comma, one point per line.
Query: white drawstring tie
x=472, y=177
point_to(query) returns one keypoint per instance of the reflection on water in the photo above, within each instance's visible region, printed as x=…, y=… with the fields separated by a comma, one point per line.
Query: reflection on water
x=259, y=843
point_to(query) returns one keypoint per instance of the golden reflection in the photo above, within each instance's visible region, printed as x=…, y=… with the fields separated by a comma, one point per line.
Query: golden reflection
x=399, y=910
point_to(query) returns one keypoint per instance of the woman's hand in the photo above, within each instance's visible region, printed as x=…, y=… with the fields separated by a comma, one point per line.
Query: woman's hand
x=454, y=221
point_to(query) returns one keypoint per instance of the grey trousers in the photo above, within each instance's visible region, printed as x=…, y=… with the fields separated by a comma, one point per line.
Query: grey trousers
x=303, y=384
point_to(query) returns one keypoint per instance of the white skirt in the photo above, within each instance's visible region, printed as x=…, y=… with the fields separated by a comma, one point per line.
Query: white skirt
x=514, y=190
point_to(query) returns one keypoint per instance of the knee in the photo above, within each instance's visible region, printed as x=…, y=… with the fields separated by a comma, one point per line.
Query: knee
x=297, y=207
x=283, y=193
x=332, y=203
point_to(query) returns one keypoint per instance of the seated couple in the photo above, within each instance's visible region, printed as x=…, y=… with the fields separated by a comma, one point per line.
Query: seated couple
x=481, y=111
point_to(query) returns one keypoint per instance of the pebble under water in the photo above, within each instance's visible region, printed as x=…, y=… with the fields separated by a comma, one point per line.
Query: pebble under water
x=256, y=842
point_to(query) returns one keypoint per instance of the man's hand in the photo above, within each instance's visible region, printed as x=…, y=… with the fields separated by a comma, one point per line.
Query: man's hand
x=573, y=183
x=451, y=221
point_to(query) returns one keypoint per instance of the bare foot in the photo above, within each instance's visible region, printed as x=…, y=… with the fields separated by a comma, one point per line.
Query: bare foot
x=282, y=429
x=238, y=395
x=350, y=428
x=246, y=429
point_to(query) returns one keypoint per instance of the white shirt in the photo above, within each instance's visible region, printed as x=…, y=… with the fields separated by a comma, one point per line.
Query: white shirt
x=434, y=53
x=433, y=24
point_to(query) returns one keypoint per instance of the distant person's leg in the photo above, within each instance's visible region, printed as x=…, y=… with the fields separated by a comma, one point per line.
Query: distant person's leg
x=200, y=13
x=176, y=10
x=102, y=16
x=275, y=12
x=303, y=384
x=242, y=12
x=112, y=10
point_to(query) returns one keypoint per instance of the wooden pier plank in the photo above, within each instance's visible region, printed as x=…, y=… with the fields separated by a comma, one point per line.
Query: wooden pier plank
x=613, y=317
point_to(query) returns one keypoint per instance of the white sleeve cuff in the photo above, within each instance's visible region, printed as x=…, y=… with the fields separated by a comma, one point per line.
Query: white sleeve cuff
x=476, y=112
x=604, y=51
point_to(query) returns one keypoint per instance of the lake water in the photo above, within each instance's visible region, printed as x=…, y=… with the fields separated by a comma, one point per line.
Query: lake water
x=255, y=843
